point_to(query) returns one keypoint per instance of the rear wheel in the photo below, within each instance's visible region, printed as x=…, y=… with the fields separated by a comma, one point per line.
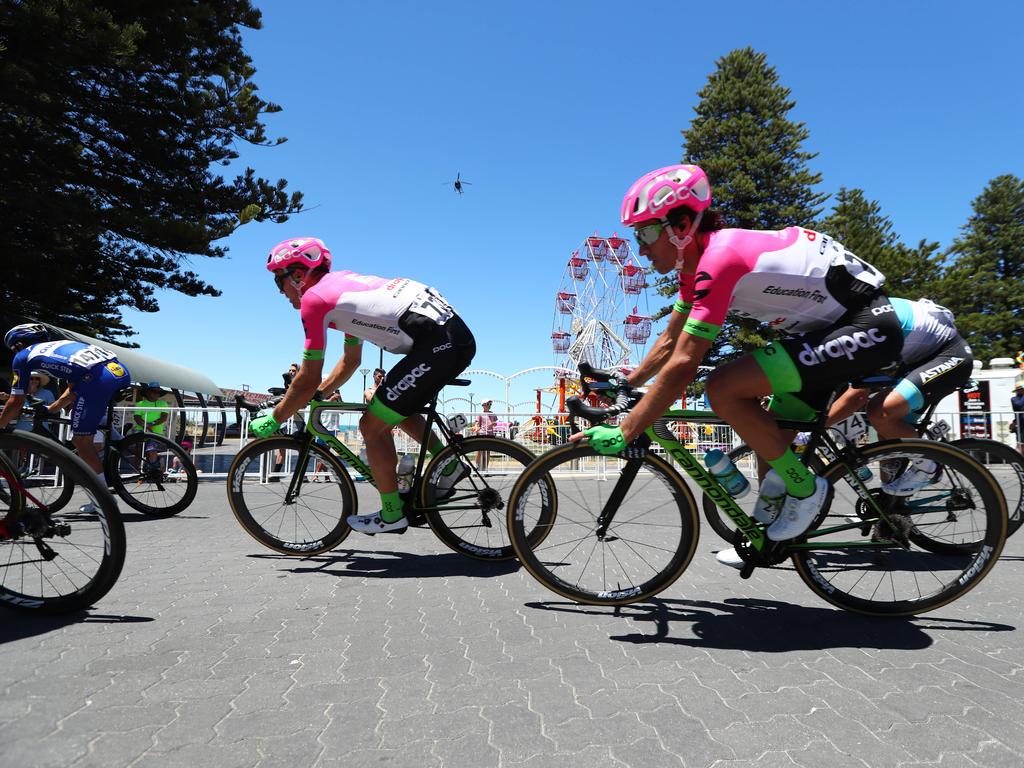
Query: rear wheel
x=471, y=517
x=57, y=561
x=881, y=555
x=151, y=474
x=297, y=510
x=613, y=531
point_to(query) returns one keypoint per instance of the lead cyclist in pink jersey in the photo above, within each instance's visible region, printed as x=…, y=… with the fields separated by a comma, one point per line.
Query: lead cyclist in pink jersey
x=800, y=281
x=400, y=315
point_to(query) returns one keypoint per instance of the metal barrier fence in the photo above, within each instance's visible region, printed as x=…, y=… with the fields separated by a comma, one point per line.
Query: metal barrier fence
x=536, y=432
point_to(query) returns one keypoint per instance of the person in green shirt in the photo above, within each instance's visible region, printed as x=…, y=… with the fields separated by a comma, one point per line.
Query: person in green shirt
x=151, y=421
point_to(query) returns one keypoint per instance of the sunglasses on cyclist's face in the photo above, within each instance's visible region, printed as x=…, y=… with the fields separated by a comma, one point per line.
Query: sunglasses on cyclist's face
x=295, y=274
x=648, y=234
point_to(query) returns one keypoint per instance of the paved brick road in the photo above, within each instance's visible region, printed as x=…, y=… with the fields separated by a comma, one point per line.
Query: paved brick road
x=396, y=652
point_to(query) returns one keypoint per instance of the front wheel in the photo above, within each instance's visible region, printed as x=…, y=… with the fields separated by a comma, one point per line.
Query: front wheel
x=613, y=531
x=56, y=561
x=469, y=516
x=291, y=495
x=151, y=474
x=898, y=556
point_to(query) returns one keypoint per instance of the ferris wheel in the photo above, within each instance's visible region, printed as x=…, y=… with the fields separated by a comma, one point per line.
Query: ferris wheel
x=601, y=311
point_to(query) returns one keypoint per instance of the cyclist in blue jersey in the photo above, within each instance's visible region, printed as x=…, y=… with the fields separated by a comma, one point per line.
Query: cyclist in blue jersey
x=93, y=375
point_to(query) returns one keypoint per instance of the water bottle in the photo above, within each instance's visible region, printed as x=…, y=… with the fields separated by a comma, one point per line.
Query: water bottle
x=726, y=473
x=405, y=470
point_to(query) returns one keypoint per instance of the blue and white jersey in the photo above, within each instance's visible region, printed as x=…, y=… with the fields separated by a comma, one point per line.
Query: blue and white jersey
x=72, y=361
x=927, y=328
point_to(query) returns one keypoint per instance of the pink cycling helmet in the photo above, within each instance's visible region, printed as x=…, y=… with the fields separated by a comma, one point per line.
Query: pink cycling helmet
x=309, y=252
x=656, y=193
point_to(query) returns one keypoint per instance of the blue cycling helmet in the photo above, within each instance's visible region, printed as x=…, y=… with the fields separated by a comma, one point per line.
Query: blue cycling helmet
x=25, y=334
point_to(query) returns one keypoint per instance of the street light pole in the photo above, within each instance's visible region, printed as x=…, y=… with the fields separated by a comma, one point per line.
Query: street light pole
x=364, y=371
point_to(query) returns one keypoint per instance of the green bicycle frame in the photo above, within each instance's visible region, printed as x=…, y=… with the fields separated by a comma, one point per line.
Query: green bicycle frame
x=707, y=482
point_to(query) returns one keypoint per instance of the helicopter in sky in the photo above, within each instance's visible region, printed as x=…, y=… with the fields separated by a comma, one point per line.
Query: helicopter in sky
x=459, y=183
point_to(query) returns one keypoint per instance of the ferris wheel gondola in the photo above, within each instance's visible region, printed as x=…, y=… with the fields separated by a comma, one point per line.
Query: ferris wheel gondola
x=592, y=318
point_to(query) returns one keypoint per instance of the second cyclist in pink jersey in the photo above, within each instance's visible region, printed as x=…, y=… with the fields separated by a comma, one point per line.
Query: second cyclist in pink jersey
x=399, y=315
x=841, y=325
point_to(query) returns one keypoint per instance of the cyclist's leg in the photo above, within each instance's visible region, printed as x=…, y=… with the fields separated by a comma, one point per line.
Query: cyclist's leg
x=927, y=383
x=439, y=354
x=859, y=342
x=895, y=415
x=90, y=408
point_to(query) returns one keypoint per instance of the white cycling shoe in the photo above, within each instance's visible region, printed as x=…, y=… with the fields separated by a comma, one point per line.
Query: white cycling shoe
x=372, y=524
x=731, y=558
x=917, y=476
x=797, y=515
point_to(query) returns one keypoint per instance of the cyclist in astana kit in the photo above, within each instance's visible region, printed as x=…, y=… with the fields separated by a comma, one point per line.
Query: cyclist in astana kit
x=797, y=280
x=94, y=375
x=399, y=315
x=935, y=362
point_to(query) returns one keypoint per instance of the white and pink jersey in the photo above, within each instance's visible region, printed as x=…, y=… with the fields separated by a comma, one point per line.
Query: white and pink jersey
x=794, y=279
x=367, y=308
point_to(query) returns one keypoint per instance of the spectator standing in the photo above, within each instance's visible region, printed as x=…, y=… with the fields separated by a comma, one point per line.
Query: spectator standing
x=148, y=420
x=486, y=424
x=378, y=377
x=1017, y=402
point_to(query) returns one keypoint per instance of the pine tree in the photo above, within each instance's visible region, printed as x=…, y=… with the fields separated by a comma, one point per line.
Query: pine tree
x=985, y=281
x=750, y=149
x=752, y=152
x=114, y=120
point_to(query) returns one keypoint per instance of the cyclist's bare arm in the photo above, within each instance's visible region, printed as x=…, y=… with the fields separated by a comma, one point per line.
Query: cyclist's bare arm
x=343, y=371
x=847, y=404
x=673, y=378
x=67, y=397
x=660, y=352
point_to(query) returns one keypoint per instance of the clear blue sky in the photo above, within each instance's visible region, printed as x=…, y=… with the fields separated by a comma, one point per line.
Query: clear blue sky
x=551, y=110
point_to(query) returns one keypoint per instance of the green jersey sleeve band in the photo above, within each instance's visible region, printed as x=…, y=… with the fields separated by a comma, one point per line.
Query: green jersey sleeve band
x=682, y=307
x=352, y=340
x=703, y=330
x=312, y=354
x=779, y=367
x=385, y=414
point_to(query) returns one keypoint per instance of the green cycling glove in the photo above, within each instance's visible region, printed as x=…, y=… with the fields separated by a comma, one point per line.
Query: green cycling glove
x=606, y=440
x=264, y=426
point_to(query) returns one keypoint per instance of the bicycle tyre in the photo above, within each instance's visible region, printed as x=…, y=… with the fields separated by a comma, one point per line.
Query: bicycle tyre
x=1007, y=466
x=69, y=561
x=463, y=521
x=149, y=490
x=11, y=500
x=559, y=556
x=315, y=524
x=889, y=579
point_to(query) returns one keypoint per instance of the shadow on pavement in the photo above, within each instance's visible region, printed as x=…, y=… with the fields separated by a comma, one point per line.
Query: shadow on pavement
x=128, y=515
x=772, y=627
x=396, y=565
x=17, y=626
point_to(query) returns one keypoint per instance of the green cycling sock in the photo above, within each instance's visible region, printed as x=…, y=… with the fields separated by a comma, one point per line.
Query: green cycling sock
x=435, y=448
x=799, y=480
x=391, y=507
